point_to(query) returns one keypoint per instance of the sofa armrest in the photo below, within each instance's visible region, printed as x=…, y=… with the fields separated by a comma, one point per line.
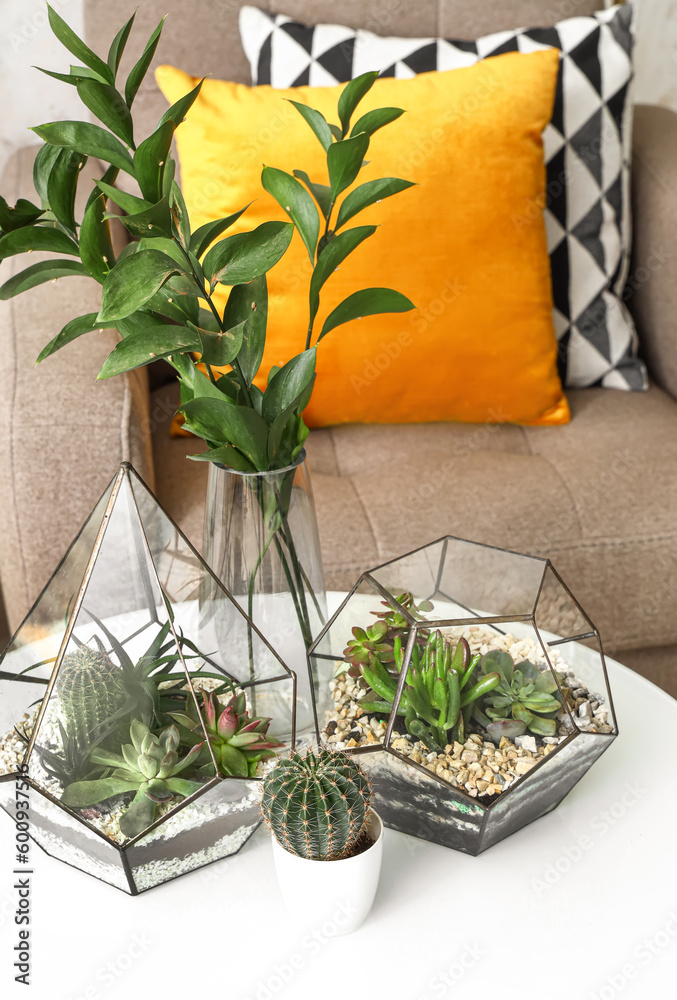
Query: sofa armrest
x=652, y=287
x=62, y=433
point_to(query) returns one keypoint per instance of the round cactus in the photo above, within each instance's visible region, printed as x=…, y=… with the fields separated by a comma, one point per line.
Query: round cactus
x=316, y=805
x=90, y=693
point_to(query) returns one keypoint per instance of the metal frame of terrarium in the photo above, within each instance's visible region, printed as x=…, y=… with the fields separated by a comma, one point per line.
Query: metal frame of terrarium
x=127, y=474
x=452, y=830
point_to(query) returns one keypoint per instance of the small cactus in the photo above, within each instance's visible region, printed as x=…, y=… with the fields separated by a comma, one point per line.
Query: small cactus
x=317, y=804
x=90, y=692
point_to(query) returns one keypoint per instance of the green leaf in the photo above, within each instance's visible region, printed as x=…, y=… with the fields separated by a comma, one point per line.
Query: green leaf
x=138, y=72
x=331, y=257
x=62, y=186
x=118, y=45
x=288, y=384
x=352, y=94
x=127, y=202
x=220, y=349
x=249, y=302
x=143, y=322
x=37, y=274
x=320, y=192
x=133, y=281
x=180, y=215
x=139, y=349
x=42, y=168
x=367, y=302
x=152, y=222
x=368, y=194
x=374, y=120
x=245, y=256
x=109, y=177
x=23, y=214
x=70, y=40
x=180, y=109
x=81, y=794
x=176, y=299
x=36, y=238
x=87, y=139
x=233, y=762
x=227, y=455
x=317, y=122
x=224, y=423
x=71, y=331
x=206, y=234
x=150, y=159
x=96, y=247
x=109, y=107
x=71, y=78
x=297, y=203
x=344, y=160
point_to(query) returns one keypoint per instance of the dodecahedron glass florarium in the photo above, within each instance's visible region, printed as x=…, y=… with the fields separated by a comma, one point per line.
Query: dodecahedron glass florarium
x=140, y=702
x=472, y=685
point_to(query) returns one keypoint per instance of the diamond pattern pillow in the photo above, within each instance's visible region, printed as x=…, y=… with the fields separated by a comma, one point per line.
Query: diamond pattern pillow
x=587, y=148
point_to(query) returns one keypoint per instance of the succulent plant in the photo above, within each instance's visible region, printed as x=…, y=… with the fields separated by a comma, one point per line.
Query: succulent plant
x=73, y=763
x=149, y=766
x=438, y=697
x=397, y=621
x=90, y=693
x=317, y=804
x=525, y=698
x=365, y=644
x=238, y=742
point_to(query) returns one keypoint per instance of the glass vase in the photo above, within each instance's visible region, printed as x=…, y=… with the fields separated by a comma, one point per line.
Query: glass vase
x=261, y=540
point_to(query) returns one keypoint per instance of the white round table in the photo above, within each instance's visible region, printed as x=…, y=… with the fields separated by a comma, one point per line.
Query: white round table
x=580, y=905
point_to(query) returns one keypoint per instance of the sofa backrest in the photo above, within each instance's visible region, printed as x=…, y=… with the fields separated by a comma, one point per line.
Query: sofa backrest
x=202, y=38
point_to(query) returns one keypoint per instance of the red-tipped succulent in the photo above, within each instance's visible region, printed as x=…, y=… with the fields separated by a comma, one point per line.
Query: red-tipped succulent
x=237, y=741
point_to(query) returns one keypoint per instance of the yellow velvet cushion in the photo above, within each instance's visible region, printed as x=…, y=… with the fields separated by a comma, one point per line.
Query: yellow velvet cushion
x=467, y=244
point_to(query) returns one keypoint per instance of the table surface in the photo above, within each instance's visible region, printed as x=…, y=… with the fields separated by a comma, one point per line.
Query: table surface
x=580, y=905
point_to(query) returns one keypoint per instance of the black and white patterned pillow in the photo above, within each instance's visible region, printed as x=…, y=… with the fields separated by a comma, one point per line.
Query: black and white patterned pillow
x=587, y=148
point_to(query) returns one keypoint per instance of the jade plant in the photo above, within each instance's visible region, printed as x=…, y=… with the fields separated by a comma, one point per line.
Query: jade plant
x=238, y=741
x=439, y=693
x=149, y=766
x=317, y=804
x=525, y=698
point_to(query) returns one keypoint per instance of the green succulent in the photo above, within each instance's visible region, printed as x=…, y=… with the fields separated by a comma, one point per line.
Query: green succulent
x=317, y=804
x=73, y=763
x=438, y=697
x=395, y=620
x=238, y=742
x=89, y=692
x=149, y=766
x=365, y=644
x=525, y=698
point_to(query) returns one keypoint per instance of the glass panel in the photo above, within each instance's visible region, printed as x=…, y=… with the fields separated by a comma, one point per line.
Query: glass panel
x=214, y=826
x=64, y=837
x=557, y=611
x=542, y=790
x=489, y=582
x=412, y=801
x=588, y=684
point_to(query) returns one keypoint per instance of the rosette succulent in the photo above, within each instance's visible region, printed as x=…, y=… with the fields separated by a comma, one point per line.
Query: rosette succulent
x=149, y=766
x=238, y=742
x=525, y=698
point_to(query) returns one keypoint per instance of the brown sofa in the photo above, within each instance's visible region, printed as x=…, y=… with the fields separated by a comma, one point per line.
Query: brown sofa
x=599, y=496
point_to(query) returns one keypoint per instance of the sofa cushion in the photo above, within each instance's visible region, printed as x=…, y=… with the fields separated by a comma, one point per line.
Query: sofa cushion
x=599, y=496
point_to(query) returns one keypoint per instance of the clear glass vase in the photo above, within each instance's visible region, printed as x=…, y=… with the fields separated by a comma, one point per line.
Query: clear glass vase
x=261, y=540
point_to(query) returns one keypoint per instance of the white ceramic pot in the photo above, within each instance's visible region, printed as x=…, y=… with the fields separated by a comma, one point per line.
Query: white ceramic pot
x=336, y=893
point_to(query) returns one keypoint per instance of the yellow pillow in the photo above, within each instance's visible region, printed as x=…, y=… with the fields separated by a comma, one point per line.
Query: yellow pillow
x=465, y=245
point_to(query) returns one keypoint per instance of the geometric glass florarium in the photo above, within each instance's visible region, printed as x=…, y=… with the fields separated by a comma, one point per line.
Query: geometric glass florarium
x=471, y=684
x=140, y=703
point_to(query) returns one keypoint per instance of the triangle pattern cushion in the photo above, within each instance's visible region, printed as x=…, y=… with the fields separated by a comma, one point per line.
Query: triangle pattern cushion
x=481, y=345
x=595, y=77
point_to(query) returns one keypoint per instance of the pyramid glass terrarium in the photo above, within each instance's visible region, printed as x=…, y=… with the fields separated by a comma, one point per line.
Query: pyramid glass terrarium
x=472, y=685
x=140, y=703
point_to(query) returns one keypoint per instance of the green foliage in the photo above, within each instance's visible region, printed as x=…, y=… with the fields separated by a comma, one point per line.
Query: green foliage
x=238, y=741
x=89, y=693
x=317, y=804
x=149, y=767
x=525, y=698
x=159, y=291
x=439, y=693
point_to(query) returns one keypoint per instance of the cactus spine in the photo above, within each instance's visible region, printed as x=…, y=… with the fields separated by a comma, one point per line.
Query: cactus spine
x=317, y=805
x=89, y=692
